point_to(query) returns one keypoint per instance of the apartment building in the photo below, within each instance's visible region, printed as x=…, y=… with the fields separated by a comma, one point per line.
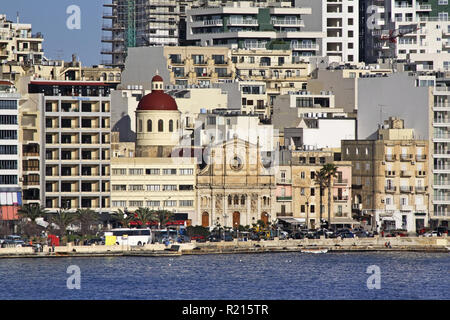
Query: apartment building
x=391, y=178
x=253, y=25
x=10, y=160
x=154, y=183
x=18, y=43
x=423, y=26
x=306, y=195
x=420, y=98
x=74, y=143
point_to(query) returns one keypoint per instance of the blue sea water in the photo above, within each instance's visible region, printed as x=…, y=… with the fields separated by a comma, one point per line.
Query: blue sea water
x=277, y=276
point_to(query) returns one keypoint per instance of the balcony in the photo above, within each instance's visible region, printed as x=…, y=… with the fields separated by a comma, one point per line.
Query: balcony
x=285, y=214
x=390, y=157
x=421, y=157
x=390, y=189
x=421, y=189
x=340, y=198
x=405, y=173
x=341, y=182
x=284, y=198
x=406, y=157
x=284, y=181
x=406, y=189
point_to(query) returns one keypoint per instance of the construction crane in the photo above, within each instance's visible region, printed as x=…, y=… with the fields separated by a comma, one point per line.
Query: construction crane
x=397, y=33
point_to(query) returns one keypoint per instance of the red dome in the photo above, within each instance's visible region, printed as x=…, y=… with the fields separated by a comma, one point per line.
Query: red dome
x=157, y=78
x=157, y=100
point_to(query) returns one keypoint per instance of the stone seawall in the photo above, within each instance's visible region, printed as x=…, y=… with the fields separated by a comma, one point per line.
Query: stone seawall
x=435, y=244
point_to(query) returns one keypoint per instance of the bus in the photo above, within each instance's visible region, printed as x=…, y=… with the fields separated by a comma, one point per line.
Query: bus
x=131, y=237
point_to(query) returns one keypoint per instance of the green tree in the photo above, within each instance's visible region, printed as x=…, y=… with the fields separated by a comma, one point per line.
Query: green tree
x=86, y=218
x=329, y=171
x=29, y=213
x=163, y=217
x=123, y=218
x=63, y=219
x=144, y=216
x=321, y=180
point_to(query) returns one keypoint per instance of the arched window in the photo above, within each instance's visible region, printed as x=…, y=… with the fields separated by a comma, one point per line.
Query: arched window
x=140, y=126
x=229, y=200
x=160, y=126
x=170, y=125
x=243, y=200
x=111, y=77
x=236, y=199
x=149, y=126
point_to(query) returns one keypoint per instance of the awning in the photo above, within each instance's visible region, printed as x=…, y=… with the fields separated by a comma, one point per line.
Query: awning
x=343, y=221
x=292, y=220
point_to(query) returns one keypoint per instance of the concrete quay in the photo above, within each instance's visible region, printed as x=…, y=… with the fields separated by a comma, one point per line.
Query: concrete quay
x=419, y=244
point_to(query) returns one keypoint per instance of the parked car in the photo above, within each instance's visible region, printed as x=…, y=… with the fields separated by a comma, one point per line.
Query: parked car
x=431, y=234
x=198, y=238
x=345, y=233
x=14, y=240
x=214, y=238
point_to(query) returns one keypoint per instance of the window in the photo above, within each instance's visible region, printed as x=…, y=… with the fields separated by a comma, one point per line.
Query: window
x=8, y=119
x=153, y=187
x=350, y=21
x=8, y=105
x=135, y=187
x=169, y=171
x=149, y=126
x=8, y=179
x=170, y=203
x=119, y=203
x=313, y=191
x=302, y=208
x=170, y=187
x=119, y=172
x=119, y=187
x=133, y=203
x=313, y=208
x=8, y=149
x=8, y=134
x=152, y=171
x=186, y=172
x=136, y=172
x=9, y=165
x=170, y=125
x=153, y=203
x=186, y=203
x=160, y=126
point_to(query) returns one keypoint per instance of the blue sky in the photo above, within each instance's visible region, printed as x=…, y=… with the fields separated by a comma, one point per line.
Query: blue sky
x=49, y=17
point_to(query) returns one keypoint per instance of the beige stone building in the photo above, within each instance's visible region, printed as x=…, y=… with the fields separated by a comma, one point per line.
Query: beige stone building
x=306, y=191
x=235, y=187
x=391, y=180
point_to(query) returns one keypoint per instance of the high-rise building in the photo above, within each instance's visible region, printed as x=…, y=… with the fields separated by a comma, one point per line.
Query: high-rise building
x=73, y=144
x=141, y=23
x=18, y=43
x=413, y=30
x=10, y=192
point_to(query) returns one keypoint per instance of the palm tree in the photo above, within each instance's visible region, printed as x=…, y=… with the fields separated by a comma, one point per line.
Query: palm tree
x=123, y=218
x=63, y=219
x=29, y=213
x=321, y=180
x=144, y=216
x=32, y=212
x=329, y=171
x=86, y=218
x=163, y=216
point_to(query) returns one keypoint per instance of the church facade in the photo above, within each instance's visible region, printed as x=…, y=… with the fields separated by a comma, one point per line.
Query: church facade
x=235, y=186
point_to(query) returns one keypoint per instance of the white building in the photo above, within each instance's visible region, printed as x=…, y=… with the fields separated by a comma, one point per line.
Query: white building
x=248, y=25
x=10, y=191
